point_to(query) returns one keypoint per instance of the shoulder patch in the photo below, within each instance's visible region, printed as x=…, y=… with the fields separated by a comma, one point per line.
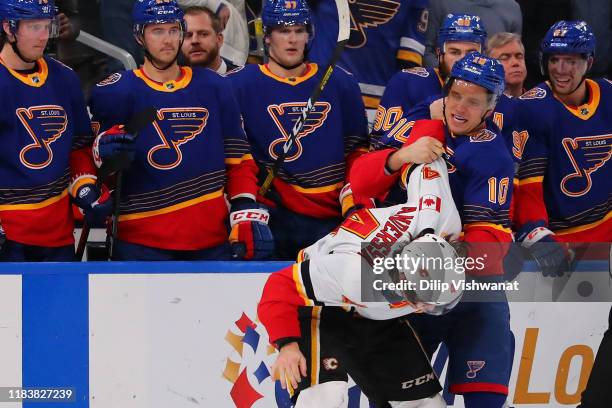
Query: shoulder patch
x=485, y=135
x=111, y=79
x=534, y=93
x=420, y=71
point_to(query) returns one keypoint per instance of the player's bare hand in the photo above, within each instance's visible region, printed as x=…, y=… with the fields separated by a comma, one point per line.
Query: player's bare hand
x=436, y=109
x=290, y=366
x=424, y=150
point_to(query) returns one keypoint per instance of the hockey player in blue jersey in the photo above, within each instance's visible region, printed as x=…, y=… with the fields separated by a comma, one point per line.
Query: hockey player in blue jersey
x=306, y=192
x=44, y=129
x=459, y=35
x=481, y=170
x=173, y=204
x=565, y=193
x=386, y=36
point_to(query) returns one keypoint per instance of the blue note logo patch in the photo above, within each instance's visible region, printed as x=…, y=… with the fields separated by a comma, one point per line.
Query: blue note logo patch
x=111, y=79
x=285, y=115
x=175, y=128
x=587, y=155
x=369, y=14
x=420, y=71
x=45, y=124
x=485, y=135
x=534, y=93
x=473, y=368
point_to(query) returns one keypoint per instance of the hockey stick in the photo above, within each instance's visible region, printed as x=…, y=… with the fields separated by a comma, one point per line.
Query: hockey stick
x=116, y=164
x=344, y=29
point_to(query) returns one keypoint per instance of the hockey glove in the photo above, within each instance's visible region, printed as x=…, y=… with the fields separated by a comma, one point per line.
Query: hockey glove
x=111, y=143
x=551, y=255
x=250, y=237
x=96, y=204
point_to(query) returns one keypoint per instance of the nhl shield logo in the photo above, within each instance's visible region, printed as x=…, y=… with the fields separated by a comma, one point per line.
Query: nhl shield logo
x=474, y=367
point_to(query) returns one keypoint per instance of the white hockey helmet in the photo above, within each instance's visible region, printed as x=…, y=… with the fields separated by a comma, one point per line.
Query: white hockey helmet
x=431, y=266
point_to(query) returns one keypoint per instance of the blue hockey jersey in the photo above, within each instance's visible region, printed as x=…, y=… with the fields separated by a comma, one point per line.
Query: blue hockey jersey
x=411, y=86
x=382, y=32
x=565, y=171
x=43, y=125
x=405, y=90
x=480, y=174
x=314, y=170
x=193, y=153
x=481, y=170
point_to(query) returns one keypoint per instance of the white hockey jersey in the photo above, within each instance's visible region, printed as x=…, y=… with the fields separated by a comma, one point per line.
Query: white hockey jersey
x=330, y=271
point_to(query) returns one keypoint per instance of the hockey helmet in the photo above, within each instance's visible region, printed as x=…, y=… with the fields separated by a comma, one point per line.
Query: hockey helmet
x=16, y=10
x=462, y=27
x=285, y=13
x=156, y=12
x=431, y=266
x=569, y=37
x=480, y=70
x=27, y=9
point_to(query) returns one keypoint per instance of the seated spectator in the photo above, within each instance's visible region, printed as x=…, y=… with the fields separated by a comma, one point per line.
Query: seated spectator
x=509, y=49
x=203, y=40
x=233, y=24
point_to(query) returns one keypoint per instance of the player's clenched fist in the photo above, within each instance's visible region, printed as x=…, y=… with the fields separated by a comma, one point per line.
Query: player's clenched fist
x=424, y=150
x=290, y=366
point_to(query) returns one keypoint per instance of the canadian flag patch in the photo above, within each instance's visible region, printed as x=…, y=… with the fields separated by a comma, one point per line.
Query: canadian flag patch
x=430, y=202
x=429, y=173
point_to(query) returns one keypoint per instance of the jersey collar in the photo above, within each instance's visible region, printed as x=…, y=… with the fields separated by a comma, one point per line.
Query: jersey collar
x=35, y=79
x=170, y=86
x=311, y=70
x=586, y=110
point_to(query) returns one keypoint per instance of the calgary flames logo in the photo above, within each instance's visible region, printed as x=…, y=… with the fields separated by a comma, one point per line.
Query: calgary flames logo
x=45, y=124
x=587, y=154
x=175, y=127
x=367, y=14
x=285, y=115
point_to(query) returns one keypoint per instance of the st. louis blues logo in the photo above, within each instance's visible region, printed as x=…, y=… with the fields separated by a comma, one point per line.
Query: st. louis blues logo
x=474, y=367
x=45, y=124
x=285, y=115
x=368, y=14
x=175, y=127
x=587, y=155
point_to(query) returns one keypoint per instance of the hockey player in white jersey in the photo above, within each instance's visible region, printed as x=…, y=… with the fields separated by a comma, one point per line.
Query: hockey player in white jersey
x=329, y=320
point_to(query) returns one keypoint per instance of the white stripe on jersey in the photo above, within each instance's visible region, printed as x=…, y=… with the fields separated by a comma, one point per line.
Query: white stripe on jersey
x=406, y=42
